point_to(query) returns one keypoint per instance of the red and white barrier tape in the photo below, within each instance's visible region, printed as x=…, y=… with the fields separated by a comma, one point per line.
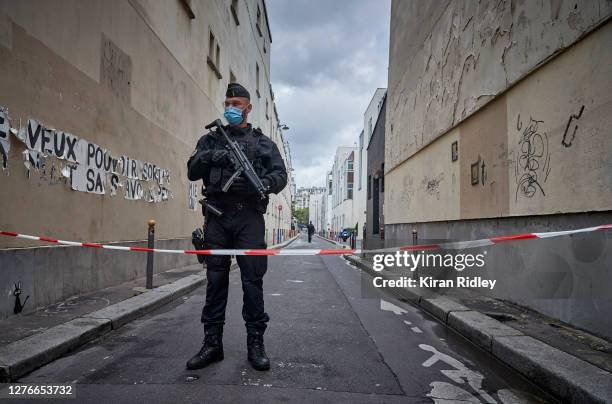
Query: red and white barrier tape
x=456, y=245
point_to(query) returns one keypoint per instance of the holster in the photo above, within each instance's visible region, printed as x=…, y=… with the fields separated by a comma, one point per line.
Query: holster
x=199, y=242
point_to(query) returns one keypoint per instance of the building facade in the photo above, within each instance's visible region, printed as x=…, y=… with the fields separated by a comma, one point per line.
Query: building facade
x=303, y=195
x=342, y=179
x=102, y=104
x=316, y=211
x=375, y=183
x=370, y=117
x=498, y=122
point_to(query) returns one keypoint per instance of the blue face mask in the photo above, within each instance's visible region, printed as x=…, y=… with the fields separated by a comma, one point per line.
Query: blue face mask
x=233, y=115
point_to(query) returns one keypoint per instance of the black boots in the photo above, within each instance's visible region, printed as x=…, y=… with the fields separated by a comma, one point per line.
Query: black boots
x=212, y=350
x=257, y=354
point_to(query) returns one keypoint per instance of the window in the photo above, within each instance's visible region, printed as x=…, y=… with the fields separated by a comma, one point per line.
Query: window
x=234, y=10
x=382, y=177
x=257, y=80
x=232, y=77
x=267, y=117
x=349, y=189
x=258, y=23
x=370, y=128
x=349, y=165
x=369, y=186
x=214, y=55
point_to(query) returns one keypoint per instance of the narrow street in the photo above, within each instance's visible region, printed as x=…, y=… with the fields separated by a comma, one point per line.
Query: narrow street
x=326, y=343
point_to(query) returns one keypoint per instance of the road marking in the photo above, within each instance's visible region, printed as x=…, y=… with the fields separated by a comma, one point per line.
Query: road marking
x=459, y=374
x=407, y=322
x=294, y=281
x=416, y=330
x=387, y=306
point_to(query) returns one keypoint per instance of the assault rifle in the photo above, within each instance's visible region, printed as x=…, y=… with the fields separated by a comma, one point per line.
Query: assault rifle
x=241, y=163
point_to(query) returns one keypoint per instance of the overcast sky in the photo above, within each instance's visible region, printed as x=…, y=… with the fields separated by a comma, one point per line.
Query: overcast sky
x=328, y=58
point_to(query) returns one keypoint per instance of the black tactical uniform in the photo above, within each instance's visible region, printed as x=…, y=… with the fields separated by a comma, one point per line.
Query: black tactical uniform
x=241, y=226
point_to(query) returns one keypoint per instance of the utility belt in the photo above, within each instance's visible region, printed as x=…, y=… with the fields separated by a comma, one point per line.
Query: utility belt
x=221, y=206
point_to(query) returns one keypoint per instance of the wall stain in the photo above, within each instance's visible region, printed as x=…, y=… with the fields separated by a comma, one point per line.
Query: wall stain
x=432, y=185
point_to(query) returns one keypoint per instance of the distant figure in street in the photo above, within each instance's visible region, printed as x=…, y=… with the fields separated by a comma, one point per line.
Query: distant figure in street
x=311, y=230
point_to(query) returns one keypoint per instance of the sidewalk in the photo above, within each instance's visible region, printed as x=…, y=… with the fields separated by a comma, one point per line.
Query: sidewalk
x=32, y=340
x=570, y=363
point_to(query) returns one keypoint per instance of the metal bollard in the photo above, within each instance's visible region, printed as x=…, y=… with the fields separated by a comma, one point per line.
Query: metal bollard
x=150, y=244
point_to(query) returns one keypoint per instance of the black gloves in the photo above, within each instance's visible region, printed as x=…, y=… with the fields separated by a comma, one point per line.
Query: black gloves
x=267, y=183
x=220, y=158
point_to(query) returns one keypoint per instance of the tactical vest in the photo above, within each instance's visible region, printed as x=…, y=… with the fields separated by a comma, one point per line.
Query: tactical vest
x=248, y=144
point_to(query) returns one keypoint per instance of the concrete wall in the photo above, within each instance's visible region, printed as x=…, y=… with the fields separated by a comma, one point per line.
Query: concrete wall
x=567, y=278
x=150, y=100
x=51, y=274
x=522, y=88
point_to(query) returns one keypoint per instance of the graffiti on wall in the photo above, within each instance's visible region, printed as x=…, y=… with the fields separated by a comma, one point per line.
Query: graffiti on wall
x=17, y=293
x=432, y=185
x=571, y=128
x=532, y=163
x=63, y=158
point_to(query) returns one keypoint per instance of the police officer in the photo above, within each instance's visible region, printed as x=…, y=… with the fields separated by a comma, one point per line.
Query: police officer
x=241, y=226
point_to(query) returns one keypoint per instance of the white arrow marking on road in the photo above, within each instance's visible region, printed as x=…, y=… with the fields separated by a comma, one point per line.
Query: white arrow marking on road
x=417, y=330
x=294, y=281
x=385, y=305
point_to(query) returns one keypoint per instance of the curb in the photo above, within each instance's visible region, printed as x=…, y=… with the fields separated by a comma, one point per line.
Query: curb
x=284, y=243
x=23, y=356
x=332, y=241
x=563, y=375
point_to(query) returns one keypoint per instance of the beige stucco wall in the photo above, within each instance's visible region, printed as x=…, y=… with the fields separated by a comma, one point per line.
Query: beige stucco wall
x=425, y=187
x=448, y=59
x=50, y=58
x=580, y=175
x=570, y=178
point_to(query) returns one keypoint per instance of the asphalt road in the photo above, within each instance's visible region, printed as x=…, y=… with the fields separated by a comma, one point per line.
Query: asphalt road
x=326, y=342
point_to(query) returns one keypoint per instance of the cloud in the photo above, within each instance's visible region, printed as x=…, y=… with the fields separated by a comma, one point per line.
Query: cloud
x=328, y=58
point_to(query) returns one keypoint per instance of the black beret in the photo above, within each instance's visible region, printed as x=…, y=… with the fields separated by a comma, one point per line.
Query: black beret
x=236, y=90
